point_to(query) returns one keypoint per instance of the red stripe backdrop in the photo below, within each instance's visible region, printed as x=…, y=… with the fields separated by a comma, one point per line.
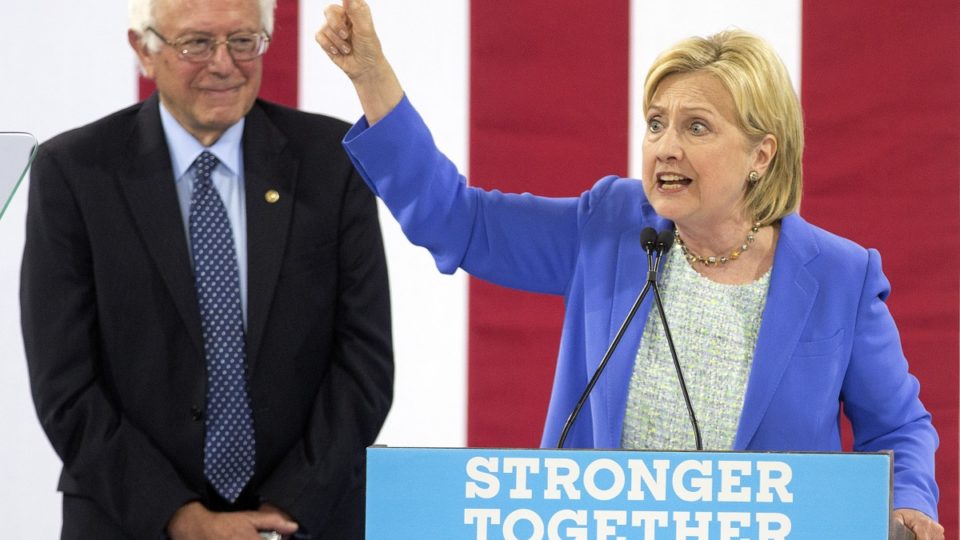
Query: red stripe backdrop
x=880, y=93
x=281, y=66
x=548, y=97
x=548, y=116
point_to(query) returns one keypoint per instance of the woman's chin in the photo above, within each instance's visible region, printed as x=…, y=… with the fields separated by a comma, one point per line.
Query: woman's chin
x=670, y=209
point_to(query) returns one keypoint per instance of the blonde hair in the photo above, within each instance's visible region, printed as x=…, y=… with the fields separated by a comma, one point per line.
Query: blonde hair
x=766, y=104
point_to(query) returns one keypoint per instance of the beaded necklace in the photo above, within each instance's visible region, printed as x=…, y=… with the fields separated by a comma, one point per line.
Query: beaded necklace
x=714, y=260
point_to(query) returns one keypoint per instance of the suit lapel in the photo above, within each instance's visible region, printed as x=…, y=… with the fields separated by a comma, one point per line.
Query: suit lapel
x=630, y=278
x=268, y=167
x=792, y=293
x=148, y=185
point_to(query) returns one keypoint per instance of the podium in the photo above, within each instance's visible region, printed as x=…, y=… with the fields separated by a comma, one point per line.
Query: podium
x=16, y=153
x=526, y=494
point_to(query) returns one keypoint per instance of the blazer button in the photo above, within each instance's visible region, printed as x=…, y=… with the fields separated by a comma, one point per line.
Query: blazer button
x=196, y=413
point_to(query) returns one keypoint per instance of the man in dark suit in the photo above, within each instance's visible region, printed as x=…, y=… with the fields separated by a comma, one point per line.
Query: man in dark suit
x=204, y=300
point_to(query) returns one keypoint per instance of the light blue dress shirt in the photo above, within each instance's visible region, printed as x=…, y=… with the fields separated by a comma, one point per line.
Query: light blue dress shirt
x=228, y=179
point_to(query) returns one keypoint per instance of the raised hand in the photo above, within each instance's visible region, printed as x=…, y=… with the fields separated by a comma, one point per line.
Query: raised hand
x=349, y=38
x=351, y=42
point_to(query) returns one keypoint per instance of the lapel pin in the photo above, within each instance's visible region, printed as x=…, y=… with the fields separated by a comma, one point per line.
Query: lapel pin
x=272, y=196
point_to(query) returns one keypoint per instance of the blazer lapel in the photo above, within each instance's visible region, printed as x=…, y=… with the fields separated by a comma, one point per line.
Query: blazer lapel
x=792, y=293
x=270, y=172
x=148, y=185
x=630, y=278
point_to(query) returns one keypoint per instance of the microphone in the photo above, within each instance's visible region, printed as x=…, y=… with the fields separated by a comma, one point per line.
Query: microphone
x=649, y=241
x=663, y=244
x=654, y=245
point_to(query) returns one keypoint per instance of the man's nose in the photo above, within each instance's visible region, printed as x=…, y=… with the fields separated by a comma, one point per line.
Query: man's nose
x=220, y=59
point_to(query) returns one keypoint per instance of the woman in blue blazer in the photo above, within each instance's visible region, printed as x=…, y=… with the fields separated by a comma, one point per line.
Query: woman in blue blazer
x=777, y=322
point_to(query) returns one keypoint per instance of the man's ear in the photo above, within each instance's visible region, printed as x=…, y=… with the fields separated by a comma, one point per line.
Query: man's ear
x=138, y=43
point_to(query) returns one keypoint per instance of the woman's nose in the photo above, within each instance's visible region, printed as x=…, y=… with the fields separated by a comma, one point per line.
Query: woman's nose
x=668, y=146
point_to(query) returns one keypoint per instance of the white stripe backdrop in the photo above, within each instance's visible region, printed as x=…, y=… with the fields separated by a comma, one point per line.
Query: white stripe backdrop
x=427, y=42
x=50, y=87
x=58, y=73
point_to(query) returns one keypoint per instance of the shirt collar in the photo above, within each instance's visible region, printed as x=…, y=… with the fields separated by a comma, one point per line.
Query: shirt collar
x=184, y=148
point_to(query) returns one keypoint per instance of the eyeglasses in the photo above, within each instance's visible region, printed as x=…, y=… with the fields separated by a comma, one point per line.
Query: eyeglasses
x=242, y=46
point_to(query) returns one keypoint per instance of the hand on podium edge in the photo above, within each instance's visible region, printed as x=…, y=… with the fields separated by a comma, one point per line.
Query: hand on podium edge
x=912, y=524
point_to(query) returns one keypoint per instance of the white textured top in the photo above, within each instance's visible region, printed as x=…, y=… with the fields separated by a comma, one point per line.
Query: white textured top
x=714, y=328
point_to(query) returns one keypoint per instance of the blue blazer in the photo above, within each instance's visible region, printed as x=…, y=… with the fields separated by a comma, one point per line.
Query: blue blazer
x=826, y=336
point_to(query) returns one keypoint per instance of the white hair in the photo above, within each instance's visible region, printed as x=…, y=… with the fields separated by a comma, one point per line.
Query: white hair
x=142, y=16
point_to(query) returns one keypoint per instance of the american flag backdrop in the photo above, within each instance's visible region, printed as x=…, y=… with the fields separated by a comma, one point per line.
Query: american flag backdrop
x=543, y=97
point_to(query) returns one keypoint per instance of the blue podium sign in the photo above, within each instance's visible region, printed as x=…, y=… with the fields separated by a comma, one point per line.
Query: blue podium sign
x=479, y=494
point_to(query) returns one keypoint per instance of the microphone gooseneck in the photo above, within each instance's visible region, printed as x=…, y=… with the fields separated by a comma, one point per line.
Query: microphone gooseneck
x=663, y=245
x=648, y=239
x=656, y=246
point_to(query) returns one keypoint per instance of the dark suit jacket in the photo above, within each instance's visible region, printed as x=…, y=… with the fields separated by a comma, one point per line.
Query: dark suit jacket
x=112, y=328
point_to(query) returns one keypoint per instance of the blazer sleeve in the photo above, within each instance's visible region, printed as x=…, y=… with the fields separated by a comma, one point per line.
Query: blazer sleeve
x=514, y=240
x=881, y=399
x=105, y=457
